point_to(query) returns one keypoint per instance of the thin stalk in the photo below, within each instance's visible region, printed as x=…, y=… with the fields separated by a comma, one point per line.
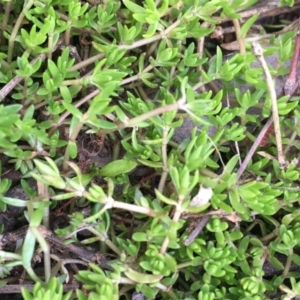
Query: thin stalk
x=261, y=224
x=193, y=235
x=112, y=233
x=17, y=79
x=72, y=82
x=73, y=138
x=270, y=236
x=5, y=21
x=16, y=30
x=170, y=293
x=32, y=275
x=184, y=265
x=116, y=150
x=290, y=294
x=46, y=250
x=124, y=289
x=258, y=52
x=68, y=35
x=90, y=96
x=107, y=241
x=134, y=121
x=135, y=45
x=134, y=208
x=240, y=40
x=43, y=190
x=9, y=256
x=183, y=283
x=288, y=262
x=67, y=113
x=69, y=260
x=46, y=216
x=291, y=82
x=291, y=139
x=87, y=62
x=50, y=45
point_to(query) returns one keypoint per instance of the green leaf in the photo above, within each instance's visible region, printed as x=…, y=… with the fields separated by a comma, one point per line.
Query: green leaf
x=142, y=277
x=66, y=94
x=151, y=30
x=37, y=217
x=101, y=124
x=72, y=149
x=72, y=109
x=275, y=262
x=235, y=202
x=28, y=248
x=296, y=259
x=64, y=196
x=151, y=164
x=133, y=7
x=219, y=60
x=45, y=169
x=140, y=237
x=50, y=180
x=26, y=294
x=53, y=165
x=117, y=167
x=4, y=183
x=14, y=202
x=231, y=164
x=245, y=28
x=53, y=68
x=165, y=199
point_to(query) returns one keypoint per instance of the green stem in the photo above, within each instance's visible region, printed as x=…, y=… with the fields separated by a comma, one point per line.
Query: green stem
x=46, y=223
x=73, y=138
x=175, y=219
x=204, y=172
x=238, y=34
x=8, y=255
x=135, y=45
x=184, y=265
x=87, y=62
x=46, y=250
x=270, y=236
x=134, y=208
x=288, y=262
x=182, y=282
x=67, y=113
x=133, y=122
x=170, y=293
x=68, y=34
x=262, y=227
x=116, y=150
x=16, y=30
x=5, y=21
x=165, y=172
x=31, y=273
x=72, y=82
x=50, y=45
x=290, y=294
x=107, y=241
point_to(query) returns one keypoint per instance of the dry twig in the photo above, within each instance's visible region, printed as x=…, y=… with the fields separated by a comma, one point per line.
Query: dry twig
x=258, y=52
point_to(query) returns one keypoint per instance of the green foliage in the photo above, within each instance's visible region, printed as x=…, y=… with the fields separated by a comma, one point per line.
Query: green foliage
x=138, y=76
x=52, y=290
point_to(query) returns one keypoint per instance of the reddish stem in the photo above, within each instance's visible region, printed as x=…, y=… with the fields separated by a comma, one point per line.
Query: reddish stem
x=289, y=86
